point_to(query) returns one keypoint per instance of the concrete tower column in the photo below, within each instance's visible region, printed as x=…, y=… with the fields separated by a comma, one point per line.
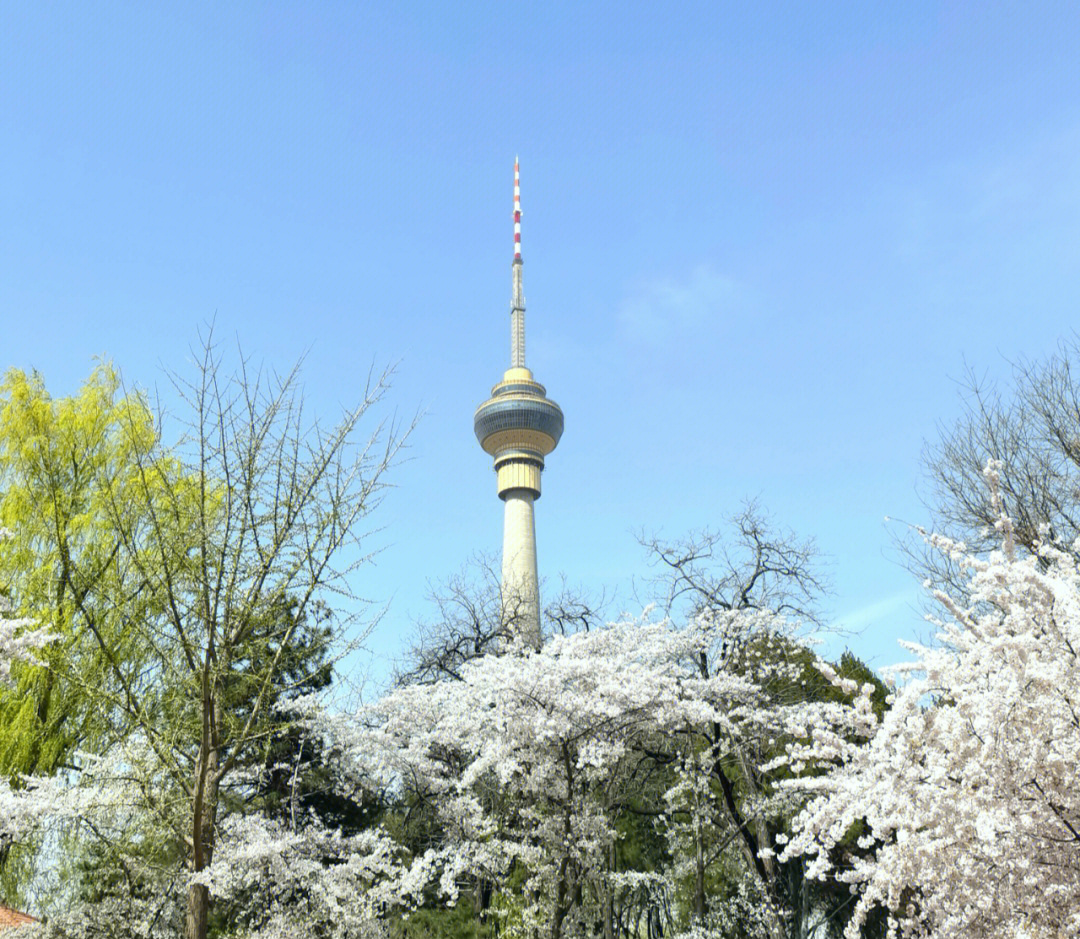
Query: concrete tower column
x=519, y=426
x=520, y=589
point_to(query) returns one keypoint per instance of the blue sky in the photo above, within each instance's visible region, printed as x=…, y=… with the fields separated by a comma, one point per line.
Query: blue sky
x=761, y=242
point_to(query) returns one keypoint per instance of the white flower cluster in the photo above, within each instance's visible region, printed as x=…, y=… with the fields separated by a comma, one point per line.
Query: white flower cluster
x=970, y=787
x=524, y=757
x=19, y=639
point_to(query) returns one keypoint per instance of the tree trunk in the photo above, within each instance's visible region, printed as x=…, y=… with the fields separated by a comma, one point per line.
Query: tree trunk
x=699, y=862
x=609, y=895
x=765, y=870
x=198, y=910
x=563, y=897
x=203, y=816
x=699, y=882
x=798, y=898
x=561, y=904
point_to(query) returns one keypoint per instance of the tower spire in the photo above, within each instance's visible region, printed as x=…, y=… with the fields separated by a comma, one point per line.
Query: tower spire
x=517, y=211
x=517, y=300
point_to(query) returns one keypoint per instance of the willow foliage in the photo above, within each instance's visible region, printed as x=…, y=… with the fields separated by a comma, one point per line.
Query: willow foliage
x=65, y=468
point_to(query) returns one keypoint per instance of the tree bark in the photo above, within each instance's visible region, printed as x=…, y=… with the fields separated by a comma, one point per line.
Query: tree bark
x=562, y=891
x=198, y=911
x=203, y=817
x=699, y=877
x=609, y=896
x=198, y=907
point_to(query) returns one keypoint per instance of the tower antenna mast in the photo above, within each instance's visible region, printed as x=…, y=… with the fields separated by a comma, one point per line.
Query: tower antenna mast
x=517, y=299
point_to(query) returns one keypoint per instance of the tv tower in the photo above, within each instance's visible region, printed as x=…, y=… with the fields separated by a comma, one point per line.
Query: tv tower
x=519, y=426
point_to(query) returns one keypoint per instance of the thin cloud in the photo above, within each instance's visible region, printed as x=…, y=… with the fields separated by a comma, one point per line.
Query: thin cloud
x=874, y=612
x=1019, y=204
x=660, y=308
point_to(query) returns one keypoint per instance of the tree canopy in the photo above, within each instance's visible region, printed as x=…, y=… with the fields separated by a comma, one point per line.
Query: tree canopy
x=698, y=772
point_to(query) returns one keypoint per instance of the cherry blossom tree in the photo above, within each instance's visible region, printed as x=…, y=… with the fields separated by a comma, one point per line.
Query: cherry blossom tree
x=516, y=777
x=968, y=788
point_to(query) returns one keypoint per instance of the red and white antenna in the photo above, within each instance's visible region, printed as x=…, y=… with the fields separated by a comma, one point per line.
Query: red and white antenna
x=517, y=212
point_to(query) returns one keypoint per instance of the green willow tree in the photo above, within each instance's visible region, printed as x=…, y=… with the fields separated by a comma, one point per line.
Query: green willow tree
x=59, y=567
x=60, y=564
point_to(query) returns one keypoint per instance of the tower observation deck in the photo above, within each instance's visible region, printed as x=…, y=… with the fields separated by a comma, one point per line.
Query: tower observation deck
x=519, y=426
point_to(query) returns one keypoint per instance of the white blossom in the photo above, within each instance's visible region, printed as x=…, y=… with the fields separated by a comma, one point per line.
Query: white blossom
x=970, y=787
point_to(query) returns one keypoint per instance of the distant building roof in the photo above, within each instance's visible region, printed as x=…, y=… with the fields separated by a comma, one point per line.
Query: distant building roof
x=10, y=918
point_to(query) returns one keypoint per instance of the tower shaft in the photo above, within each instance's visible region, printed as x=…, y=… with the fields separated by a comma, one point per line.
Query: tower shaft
x=519, y=426
x=520, y=586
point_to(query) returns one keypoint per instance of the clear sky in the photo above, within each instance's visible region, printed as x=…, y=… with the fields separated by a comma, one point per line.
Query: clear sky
x=761, y=241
